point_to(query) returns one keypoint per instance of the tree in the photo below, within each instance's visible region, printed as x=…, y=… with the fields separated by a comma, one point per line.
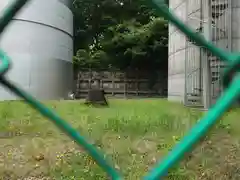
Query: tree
x=134, y=45
x=120, y=34
x=95, y=59
x=93, y=17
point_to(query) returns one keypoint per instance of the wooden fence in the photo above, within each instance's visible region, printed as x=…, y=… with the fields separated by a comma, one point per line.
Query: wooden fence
x=127, y=84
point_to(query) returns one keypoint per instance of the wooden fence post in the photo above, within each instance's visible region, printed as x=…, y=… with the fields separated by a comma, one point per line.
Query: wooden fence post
x=137, y=83
x=90, y=78
x=113, y=84
x=78, y=83
x=125, y=86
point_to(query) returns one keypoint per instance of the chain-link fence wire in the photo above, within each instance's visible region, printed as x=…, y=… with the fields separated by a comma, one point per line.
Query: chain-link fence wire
x=231, y=93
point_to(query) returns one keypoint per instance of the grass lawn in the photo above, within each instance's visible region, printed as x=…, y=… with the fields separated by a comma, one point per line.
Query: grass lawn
x=134, y=134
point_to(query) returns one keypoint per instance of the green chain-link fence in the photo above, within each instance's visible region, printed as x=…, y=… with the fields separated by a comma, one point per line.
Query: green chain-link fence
x=185, y=145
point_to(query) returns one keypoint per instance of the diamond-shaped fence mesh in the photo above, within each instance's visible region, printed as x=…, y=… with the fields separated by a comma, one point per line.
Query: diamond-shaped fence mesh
x=230, y=94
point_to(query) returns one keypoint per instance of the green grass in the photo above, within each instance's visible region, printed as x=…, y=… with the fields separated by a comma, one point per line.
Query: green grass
x=133, y=134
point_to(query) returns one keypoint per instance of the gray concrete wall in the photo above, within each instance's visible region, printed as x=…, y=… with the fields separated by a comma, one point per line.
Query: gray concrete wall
x=224, y=33
x=176, y=61
x=193, y=70
x=40, y=43
x=236, y=25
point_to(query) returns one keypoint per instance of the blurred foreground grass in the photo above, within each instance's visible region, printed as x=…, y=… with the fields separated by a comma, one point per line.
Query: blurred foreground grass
x=133, y=134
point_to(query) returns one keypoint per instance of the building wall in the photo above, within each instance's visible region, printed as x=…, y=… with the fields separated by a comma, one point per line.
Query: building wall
x=184, y=57
x=176, y=62
x=39, y=41
x=235, y=25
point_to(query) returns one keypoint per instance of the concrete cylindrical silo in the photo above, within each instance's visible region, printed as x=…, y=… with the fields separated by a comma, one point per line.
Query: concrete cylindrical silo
x=39, y=41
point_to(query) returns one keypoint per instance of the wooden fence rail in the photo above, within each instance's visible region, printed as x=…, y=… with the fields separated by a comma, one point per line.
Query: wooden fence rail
x=121, y=84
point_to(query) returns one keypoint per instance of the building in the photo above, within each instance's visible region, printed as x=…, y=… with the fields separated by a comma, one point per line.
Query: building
x=194, y=75
x=39, y=40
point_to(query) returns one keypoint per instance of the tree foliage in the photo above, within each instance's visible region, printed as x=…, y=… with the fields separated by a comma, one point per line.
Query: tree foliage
x=131, y=44
x=118, y=33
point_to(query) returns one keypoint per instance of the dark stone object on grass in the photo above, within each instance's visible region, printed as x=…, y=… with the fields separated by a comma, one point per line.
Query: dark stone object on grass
x=96, y=97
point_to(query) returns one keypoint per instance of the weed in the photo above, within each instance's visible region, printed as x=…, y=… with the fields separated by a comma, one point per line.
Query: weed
x=133, y=134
